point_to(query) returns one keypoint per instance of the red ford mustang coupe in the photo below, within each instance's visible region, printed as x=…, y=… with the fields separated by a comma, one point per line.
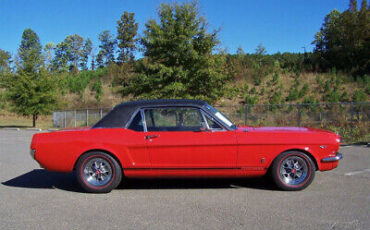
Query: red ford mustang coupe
x=183, y=138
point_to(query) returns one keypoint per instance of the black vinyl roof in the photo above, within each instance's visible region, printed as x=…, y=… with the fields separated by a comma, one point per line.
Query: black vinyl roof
x=121, y=114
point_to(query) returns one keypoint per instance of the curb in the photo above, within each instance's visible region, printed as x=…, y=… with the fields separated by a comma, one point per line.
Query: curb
x=33, y=129
x=53, y=130
x=15, y=129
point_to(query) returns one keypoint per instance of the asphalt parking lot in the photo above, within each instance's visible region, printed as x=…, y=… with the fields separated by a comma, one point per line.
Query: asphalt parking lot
x=32, y=198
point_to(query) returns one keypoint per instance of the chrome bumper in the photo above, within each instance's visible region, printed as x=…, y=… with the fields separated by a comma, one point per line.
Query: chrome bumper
x=332, y=159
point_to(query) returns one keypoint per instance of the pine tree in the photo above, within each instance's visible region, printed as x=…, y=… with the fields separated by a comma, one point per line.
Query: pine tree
x=86, y=50
x=99, y=59
x=75, y=45
x=61, y=57
x=343, y=40
x=32, y=93
x=178, y=59
x=29, y=51
x=31, y=90
x=48, y=53
x=92, y=61
x=352, y=5
x=5, y=60
x=107, y=47
x=69, y=53
x=126, y=36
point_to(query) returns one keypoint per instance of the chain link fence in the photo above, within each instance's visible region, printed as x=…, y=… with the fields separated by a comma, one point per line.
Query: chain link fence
x=78, y=117
x=350, y=120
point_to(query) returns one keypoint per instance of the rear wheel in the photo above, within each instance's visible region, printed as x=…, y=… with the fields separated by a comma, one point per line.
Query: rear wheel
x=293, y=170
x=98, y=172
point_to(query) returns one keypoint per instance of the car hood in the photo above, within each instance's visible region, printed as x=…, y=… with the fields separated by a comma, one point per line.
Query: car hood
x=282, y=130
x=298, y=135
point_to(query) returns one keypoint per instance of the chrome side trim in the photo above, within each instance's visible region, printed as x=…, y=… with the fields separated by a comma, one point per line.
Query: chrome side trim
x=338, y=157
x=204, y=114
x=143, y=120
x=131, y=118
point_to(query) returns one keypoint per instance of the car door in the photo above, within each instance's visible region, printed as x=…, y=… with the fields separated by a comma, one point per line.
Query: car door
x=177, y=138
x=134, y=144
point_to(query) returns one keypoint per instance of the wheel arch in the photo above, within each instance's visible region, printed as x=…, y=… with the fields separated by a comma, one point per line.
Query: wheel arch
x=98, y=150
x=310, y=155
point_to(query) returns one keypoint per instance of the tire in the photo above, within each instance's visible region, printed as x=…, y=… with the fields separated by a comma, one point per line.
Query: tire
x=98, y=172
x=293, y=171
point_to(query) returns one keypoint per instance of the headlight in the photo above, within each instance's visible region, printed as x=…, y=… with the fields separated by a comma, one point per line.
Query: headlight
x=32, y=153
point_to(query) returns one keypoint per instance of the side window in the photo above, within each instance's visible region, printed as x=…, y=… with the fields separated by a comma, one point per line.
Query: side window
x=212, y=124
x=173, y=119
x=136, y=123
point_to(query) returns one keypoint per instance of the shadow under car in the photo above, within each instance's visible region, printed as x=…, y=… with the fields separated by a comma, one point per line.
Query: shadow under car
x=43, y=179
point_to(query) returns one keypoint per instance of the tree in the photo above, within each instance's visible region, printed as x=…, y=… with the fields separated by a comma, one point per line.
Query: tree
x=363, y=33
x=352, y=5
x=326, y=40
x=29, y=52
x=240, y=51
x=126, y=36
x=178, y=60
x=260, y=50
x=86, y=50
x=31, y=90
x=74, y=44
x=107, y=47
x=31, y=93
x=5, y=60
x=99, y=59
x=343, y=40
x=48, y=53
x=69, y=53
x=93, y=59
x=61, y=57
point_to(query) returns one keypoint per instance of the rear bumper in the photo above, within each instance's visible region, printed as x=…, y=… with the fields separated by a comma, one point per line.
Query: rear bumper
x=338, y=157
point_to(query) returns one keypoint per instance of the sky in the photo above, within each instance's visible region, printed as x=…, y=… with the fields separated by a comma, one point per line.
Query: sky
x=279, y=25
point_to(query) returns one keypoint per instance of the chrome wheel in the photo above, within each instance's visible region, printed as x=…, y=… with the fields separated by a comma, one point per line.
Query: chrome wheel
x=293, y=170
x=97, y=172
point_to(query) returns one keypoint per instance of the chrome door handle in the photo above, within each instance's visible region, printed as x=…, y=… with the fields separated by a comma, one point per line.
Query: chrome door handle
x=151, y=136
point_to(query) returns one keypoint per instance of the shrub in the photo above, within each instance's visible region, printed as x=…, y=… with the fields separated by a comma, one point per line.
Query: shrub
x=304, y=91
x=98, y=89
x=275, y=98
x=344, y=96
x=332, y=96
x=262, y=92
x=253, y=91
x=359, y=96
x=275, y=78
x=293, y=94
x=251, y=100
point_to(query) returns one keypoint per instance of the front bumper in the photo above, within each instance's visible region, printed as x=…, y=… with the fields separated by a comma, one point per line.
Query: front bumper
x=338, y=157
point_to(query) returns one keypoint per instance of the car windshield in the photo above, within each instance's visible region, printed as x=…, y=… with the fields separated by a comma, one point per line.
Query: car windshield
x=220, y=116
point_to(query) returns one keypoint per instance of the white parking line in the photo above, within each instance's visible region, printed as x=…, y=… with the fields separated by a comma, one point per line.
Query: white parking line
x=357, y=172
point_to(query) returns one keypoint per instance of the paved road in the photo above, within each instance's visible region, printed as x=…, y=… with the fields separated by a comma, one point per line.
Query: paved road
x=31, y=198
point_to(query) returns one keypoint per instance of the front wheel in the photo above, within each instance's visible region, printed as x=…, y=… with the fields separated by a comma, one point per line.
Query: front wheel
x=292, y=171
x=98, y=172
